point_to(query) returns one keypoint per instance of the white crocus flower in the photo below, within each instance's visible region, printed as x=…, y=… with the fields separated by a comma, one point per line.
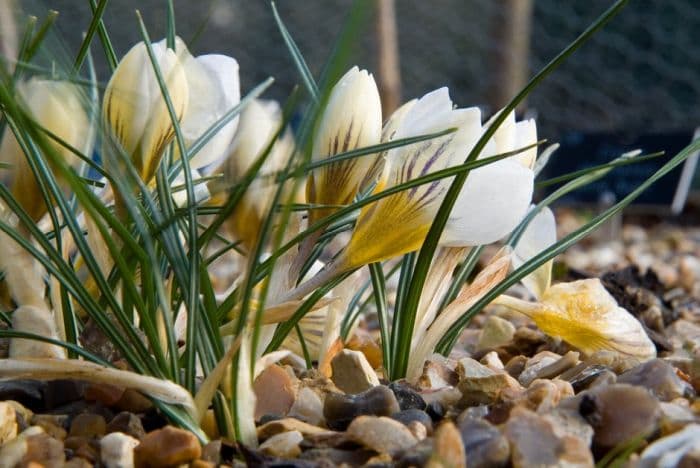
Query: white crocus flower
x=352, y=119
x=134, y=107
x=214, y=89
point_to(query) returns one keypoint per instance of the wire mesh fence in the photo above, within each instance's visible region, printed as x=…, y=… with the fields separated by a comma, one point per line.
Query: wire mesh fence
x=639, y=74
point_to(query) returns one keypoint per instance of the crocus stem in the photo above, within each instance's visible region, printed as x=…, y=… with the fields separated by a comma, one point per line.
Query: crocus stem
x=305, y=250
x=331, y=271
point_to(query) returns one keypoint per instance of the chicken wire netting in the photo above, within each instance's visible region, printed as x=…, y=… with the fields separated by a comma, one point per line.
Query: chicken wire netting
x=639, y=74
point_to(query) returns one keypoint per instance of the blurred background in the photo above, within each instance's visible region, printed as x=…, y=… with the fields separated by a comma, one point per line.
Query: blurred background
x=637, y=78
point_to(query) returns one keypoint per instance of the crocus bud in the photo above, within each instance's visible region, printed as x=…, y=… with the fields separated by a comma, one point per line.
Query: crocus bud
x=56, y=106
x=214, y=89
x=259, y=123
x=352, y=119
x=134, y=107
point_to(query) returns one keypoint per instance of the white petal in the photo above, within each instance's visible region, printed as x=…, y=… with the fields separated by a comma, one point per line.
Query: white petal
x=525, y=135
x=492, y=202
x=539, y=235
x=214, y=90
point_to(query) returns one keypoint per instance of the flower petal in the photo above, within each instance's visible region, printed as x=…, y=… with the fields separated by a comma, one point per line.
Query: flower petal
x=352, y=119
x=492, y=202
x=214, y=90
x=540, y=234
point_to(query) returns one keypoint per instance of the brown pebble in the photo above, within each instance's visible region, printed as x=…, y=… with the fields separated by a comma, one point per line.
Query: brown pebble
x=128, y=423
x=106, y=394
x=88, y=425
x=275, y=391
x=77, y=462
x=448, y=449
x=165, y=447
x=134, y=402
x=44, y=449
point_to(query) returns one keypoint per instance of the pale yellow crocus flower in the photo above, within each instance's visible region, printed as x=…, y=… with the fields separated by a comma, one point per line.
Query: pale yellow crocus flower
x=352, y=119
x=57, y=107
x=134, y=107
x=260, y=121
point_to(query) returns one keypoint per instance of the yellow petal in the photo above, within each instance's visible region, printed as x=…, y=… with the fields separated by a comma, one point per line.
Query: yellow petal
x=398, y=224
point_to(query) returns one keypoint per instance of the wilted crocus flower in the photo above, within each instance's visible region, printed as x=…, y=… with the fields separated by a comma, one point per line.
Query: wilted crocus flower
x=582, y=313
x=57, y=107
x=134, y=107
x=352, y=119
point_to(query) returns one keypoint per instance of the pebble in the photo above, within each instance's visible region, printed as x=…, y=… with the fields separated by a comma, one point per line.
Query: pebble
x=407, y=397
x=271, y=428
x=544, y=395
x=435, y=410
x=8, y=422
x=583, y=375
x=534, y=443
x=657, y=376
x=492, y=360
x=108, y=395
x=165, y=447
x=408, y=416
x=352, y=373
x=339, y=410
x=88, y=425
x=117, y=450
x=44, y=449
x=675, y=417
x=381, y=434
x=134, y=402
x=482, y=385
x=448, y=450
x=437, y=374
x=484, y=444
x=567, y=421
x=419, y=431
x=275, y=390
x=127, y=423
x=328, y=457
x=535, y=364
x=307, y=407
x=52, y=425
x=619, y=412
x=283, y=445
x=495, y=333
x=668, y=452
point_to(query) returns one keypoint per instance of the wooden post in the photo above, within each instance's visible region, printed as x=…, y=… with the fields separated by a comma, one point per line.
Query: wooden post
x=511, y=40
x=8, y=33
x=388, y=71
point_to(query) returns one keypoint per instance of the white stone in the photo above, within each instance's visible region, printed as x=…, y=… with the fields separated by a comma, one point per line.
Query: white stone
x=8, y=423
x=117, y=450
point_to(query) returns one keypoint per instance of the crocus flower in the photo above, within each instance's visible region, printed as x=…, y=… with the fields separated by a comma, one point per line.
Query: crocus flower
x=582, y=313
x=352, y=119
x=57, y=107
x=214, y=89
x=134, y=107
x=259, y=123
x=485, y=210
